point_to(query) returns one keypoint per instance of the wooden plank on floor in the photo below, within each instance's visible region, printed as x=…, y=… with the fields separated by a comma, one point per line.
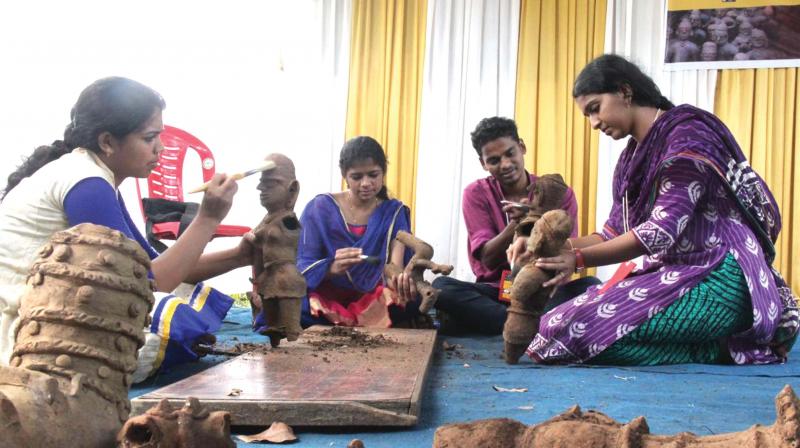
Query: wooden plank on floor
x=331, y=376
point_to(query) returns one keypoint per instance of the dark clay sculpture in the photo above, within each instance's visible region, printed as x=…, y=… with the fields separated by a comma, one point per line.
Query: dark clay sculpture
x=416, y=266
x=162, y=426
x=548, y=194
x=528, y=298
x=280, y=285
x=597, y=430
x=81, y=324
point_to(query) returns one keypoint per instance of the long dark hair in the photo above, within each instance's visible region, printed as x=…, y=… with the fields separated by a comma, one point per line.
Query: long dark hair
x=360, y=149
x=116, y=105
x=609, y=73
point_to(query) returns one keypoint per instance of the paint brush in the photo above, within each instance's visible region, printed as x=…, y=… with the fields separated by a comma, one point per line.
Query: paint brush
x=370, y=259
x=201, y=349
x=516, y=204
x=265, y=166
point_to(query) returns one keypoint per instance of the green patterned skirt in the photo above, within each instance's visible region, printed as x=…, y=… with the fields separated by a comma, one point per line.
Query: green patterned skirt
x=691, y=330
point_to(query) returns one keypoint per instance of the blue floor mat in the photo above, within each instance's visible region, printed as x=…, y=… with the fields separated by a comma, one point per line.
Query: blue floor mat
x=704, y=399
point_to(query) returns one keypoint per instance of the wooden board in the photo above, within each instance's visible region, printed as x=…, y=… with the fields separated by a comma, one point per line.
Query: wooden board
x=318, y=380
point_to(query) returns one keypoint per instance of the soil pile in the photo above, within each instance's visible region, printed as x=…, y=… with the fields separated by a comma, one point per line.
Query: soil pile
x=341, y=337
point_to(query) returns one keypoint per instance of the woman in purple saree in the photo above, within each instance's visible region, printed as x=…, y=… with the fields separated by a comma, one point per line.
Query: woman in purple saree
x=686, y=198
x=338, y=229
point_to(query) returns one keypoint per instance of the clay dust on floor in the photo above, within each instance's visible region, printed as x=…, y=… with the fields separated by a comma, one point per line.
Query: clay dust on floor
x=334, y=338
x=344, y=337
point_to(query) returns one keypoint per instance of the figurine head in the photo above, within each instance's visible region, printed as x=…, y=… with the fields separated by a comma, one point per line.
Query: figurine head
x=746, y=28
x=279, y=187
x=550, y=233
x=709, y=52
x=759, y=39
x=720, y=35
x=743, y=43
x=696, y=18
x=684, y=30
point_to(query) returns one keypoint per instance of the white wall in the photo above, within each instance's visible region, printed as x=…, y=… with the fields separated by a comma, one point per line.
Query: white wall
x=247, y=77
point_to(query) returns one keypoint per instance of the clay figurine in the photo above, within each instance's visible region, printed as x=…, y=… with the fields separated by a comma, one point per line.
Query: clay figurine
x=597, y=430
x=683, y=49
x=81, y=324
x=743, y=40
x=527, y=297
x=191, y=426
x=279, y=285
x=698, y=33
x=416, y=266
x=548, y=194
x=725, y=49
x=709, y=52
x=761, y=49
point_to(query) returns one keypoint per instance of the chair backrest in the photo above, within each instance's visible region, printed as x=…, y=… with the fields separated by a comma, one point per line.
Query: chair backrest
x=166, y=181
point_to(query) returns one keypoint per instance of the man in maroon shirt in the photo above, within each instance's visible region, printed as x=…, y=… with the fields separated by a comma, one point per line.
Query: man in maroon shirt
x=475, y=307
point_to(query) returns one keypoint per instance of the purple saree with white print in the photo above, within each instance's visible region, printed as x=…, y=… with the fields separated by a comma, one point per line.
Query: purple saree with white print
x=693, y=199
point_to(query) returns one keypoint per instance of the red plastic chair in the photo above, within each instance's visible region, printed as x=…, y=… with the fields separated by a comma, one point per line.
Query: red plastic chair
x=166, y=180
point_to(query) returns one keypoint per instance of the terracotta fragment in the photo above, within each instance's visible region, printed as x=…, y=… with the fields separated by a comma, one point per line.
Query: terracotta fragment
x=280, y=285
x=162, y=426
x=550, y=229
x=68, y=360
x=278, y=432
x=595, y=429
x=416, y=266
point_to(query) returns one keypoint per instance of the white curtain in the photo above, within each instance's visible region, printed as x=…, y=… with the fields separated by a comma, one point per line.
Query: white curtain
x=630, y=33
x=470, y=73
x=305, y=116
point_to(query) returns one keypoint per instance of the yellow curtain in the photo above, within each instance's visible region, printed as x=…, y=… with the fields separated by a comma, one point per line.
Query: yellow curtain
x=557, y=39
x=387, y=52
x=760, y=106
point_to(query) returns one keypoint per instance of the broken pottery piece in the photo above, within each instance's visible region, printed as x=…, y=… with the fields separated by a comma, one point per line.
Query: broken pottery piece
x=577, y=428
x=278, y=432
x=80, y=326
x=163, y=426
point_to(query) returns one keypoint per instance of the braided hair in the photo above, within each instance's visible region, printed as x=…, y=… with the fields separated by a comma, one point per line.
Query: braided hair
x=116, y=105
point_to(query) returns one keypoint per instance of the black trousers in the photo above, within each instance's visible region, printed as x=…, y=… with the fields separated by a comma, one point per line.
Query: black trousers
x=475, y=307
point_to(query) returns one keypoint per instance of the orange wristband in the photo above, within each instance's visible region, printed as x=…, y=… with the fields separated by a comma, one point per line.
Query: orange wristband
x=580, y=263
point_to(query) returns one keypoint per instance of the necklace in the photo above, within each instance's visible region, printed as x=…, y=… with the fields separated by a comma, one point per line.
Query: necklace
x=352, y=208
x=625, y=223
